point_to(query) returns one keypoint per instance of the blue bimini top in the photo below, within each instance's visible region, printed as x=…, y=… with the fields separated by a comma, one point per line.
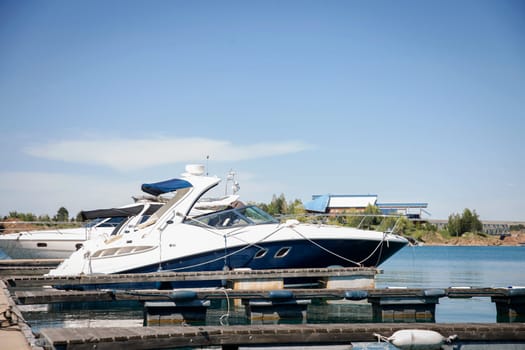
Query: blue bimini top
x=162, y=187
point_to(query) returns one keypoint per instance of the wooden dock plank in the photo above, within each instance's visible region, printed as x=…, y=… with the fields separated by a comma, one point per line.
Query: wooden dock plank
x=30, y=262
x=61, y=296
x=13, y=329
x=31, y=267
x=173, y=337
x=28, y=281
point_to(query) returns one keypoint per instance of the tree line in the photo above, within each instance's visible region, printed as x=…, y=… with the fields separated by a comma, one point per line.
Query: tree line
x=62, y=215
x=458, y=224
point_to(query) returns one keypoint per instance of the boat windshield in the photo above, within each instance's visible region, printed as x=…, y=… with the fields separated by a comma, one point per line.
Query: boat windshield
x=244, y=216
x=105, y=222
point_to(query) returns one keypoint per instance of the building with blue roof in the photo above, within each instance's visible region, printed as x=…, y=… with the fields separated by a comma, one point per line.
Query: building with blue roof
x=339, y=204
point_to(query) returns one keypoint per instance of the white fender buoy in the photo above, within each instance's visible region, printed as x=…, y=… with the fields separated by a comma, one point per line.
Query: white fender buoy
x=417, y=339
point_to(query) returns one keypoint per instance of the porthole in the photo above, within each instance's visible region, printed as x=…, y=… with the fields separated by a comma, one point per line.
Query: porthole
x=281, y=253
x=261, y=253
x=41, y=245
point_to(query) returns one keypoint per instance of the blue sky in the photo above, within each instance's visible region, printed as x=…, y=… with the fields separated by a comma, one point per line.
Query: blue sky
x=415, y=101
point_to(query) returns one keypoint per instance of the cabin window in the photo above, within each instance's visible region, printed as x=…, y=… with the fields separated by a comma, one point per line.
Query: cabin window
x=143, y=219
x=41, y=245
x=261, y=253
x=108, y=252
x=256, y=215
x=113, y=222
x=120, y=251
x=281, y=253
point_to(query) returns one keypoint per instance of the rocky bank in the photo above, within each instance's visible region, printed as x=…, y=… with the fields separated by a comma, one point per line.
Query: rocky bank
x=472, y=239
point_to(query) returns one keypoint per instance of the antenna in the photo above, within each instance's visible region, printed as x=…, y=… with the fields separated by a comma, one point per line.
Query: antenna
x=235, y=184
x=207, y=159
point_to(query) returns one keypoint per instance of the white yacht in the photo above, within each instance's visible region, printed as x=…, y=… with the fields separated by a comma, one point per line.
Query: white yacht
x=173, y=239
x=60, y=243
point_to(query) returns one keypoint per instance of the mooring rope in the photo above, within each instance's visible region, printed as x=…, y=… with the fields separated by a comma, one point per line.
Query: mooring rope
x=232, y=233
x=379, y=245
x=381, y=338
x=280, y=227
x=227, y=255
x=360, y=263
x=213, y=230
x=381, y=250
x=227, y=314
x=326, y=249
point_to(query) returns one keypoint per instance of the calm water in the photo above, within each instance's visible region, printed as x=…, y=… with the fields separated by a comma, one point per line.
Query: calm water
x=419, y=267
x=441, y=267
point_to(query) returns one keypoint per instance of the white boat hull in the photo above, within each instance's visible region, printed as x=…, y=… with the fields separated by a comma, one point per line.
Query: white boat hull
x=28, y=249
x=302, y=246
x=51, y=244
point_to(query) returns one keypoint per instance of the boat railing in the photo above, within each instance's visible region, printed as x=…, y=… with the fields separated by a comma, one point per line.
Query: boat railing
x=15, y=226
x=378, y=222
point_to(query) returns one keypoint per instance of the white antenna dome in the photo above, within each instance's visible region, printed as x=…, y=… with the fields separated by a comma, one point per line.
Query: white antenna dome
x=195, y=169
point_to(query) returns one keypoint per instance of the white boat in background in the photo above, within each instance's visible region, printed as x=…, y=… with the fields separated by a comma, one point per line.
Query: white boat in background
x=60, y=243
x=174, y=239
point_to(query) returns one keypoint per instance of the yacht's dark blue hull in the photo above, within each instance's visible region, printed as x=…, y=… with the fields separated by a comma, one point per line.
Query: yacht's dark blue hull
x=272, y=255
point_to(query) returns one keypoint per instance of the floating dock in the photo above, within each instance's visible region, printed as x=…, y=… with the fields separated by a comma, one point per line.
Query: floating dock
x=15, y=333
x=156, y=277
x=232, y=337
x=36, y=267
x=262, y=295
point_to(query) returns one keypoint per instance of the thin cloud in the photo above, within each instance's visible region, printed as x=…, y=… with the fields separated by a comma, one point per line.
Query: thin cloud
x=45, y=192
x=132, y=154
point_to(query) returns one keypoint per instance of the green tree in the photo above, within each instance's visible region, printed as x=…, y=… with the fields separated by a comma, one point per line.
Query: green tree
x=454, y=225
x=370, y=219
x=404, y=226
x=44, y=218
x=296, y=207
x=470, y=221
x=278, y=205
x=352, y=218
x=23, y=216
x=517, y=227
x=388, y=224
x=466, y=222
x=62, y=215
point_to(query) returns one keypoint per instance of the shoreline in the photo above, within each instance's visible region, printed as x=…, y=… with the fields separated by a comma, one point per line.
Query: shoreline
x=514, y=239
